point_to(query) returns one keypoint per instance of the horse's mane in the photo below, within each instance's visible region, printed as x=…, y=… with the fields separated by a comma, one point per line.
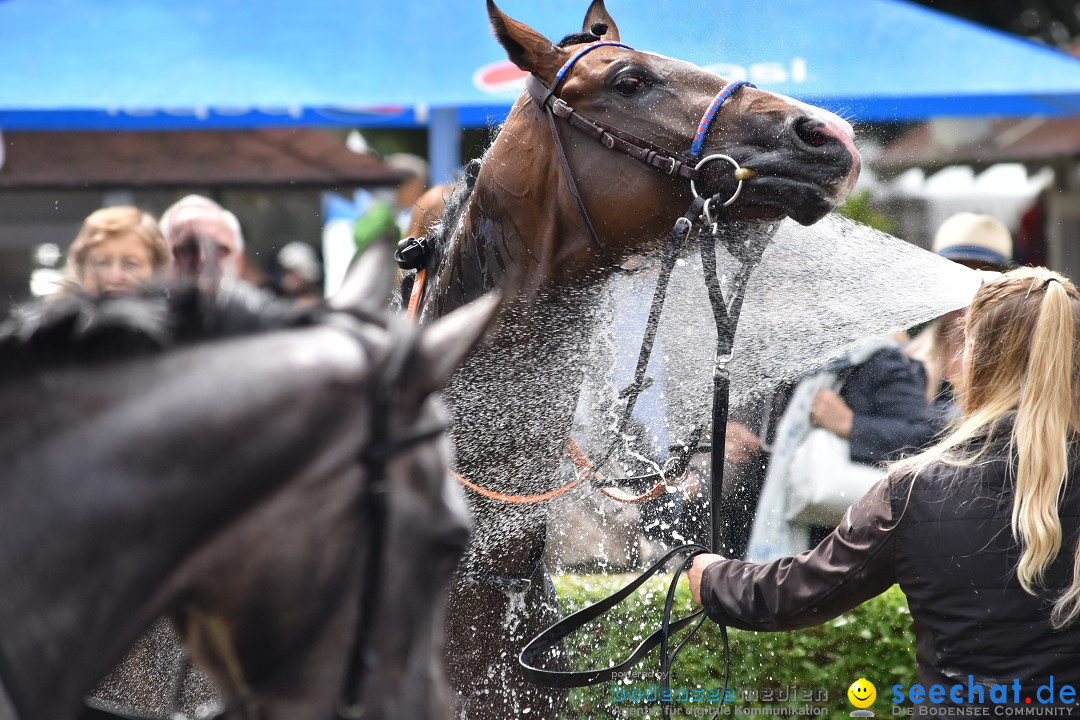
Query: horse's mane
x=455, y=206
x=443, y=231
x=81, y=329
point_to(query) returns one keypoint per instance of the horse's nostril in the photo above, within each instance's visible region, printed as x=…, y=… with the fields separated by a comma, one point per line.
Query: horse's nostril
x=811, y=132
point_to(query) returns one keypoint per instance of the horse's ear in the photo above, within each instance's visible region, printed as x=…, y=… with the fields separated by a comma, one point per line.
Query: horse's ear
x=597, y=13
x=526, y=48
x=370, y=281
x=445, y=343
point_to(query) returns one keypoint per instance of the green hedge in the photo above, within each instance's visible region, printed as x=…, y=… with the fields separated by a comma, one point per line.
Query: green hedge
x=874, y=641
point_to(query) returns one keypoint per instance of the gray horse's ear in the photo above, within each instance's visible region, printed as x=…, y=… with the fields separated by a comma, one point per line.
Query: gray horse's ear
x=597, y=13
x=526, y=48
x=370, y=281
x=445, y=343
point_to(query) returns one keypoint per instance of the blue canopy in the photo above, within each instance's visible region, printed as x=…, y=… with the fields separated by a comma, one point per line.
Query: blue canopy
x=129, y=64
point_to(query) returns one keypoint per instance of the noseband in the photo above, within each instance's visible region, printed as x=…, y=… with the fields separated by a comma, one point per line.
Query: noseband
x=667, y=161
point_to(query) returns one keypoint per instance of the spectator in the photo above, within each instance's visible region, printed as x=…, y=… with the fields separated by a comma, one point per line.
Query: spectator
x=197, y=228
x=117, y=249
x=879, y=409
x=301, y=273
x=980, y=530
x=980, y=242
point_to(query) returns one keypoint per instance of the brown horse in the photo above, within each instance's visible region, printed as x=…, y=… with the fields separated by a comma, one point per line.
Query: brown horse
x=512, y=403
x=273, y=477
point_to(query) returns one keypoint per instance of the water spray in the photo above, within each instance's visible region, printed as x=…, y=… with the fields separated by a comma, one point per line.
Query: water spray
x=726, y=312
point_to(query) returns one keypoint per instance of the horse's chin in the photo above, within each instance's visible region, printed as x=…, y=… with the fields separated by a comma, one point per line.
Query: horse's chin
x=803, y=202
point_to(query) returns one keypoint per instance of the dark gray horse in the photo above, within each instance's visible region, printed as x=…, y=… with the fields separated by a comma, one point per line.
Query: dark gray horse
x=217, y=457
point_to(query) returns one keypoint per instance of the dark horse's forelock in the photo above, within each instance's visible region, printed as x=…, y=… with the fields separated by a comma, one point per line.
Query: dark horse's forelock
x=84, y=329
x=577, y=39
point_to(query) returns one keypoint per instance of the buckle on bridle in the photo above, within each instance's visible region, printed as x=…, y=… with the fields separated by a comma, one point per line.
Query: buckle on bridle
x=412, y=252
x=560, y=108
x=674, y=165
x=718, y=156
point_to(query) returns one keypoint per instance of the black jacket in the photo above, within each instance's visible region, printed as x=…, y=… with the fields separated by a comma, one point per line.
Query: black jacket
x=886, y=393
x=951, y=550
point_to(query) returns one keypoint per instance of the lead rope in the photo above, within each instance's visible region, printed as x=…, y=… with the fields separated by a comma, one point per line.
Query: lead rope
x=726, y=316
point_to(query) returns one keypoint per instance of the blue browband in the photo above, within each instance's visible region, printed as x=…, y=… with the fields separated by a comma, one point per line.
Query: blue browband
x=706, y=119
x=576, y=56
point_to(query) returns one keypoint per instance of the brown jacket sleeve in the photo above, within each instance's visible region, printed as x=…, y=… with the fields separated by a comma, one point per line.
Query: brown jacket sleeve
x=850, y=566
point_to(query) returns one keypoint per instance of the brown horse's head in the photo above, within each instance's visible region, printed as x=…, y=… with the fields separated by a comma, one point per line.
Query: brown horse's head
x=803, y=159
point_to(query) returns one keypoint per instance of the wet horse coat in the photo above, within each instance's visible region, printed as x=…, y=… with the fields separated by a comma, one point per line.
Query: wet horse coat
x=204, y=455
x=512, y=403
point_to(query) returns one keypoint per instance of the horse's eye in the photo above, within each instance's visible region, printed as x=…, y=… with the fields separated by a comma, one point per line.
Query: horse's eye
x=629, y=85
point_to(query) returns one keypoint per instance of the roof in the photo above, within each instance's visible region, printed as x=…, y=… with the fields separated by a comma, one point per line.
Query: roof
x=209, y=63
x=203, y=158
x=1029, y=140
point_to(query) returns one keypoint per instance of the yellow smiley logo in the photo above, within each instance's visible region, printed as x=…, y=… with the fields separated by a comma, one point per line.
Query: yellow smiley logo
x=862, y=693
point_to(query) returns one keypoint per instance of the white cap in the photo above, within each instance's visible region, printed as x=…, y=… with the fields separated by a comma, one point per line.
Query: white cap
x=974, y=238
x=301, y=259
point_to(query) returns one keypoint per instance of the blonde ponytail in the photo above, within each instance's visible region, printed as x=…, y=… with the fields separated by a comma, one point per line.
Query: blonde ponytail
x=1041, y=432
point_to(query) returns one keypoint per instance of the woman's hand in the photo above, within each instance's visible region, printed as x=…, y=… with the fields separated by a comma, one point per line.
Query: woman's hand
x=694, y=573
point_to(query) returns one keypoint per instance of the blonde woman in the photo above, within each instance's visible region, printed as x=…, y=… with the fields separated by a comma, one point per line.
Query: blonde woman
x=117, y=249
x=980, y=530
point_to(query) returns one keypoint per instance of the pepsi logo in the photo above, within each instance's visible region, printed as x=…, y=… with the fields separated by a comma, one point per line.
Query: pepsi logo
x=500, y=78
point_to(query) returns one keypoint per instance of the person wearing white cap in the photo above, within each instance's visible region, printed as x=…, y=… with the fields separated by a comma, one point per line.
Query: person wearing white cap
x=301, y=272
x=981, y=242
x=978, y=241
x=204, y=238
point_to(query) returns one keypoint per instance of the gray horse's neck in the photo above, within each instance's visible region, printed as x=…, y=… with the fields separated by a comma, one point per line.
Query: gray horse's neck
x=104, y=495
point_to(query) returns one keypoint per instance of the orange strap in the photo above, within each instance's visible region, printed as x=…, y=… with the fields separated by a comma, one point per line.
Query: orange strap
x=576, y=455
x=417, y=292
x=580, y=459
x=585, y=465
x=515, y=499
x=617, y=493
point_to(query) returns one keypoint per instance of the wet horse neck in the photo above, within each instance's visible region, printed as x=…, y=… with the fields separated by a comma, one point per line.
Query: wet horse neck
x=513, y=401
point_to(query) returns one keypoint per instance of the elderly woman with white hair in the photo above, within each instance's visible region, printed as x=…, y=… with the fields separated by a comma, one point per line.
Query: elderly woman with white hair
x=203, y=237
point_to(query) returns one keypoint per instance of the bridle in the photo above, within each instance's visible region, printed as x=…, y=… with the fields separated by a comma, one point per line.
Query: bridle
x=415, y=253
x=687, y=166
x=382, y=448
x=726, y=313
x=670, y=162
x=380, y=451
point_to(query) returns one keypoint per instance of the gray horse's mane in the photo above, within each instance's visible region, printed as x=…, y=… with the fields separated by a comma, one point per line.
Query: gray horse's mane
x=81, y=329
